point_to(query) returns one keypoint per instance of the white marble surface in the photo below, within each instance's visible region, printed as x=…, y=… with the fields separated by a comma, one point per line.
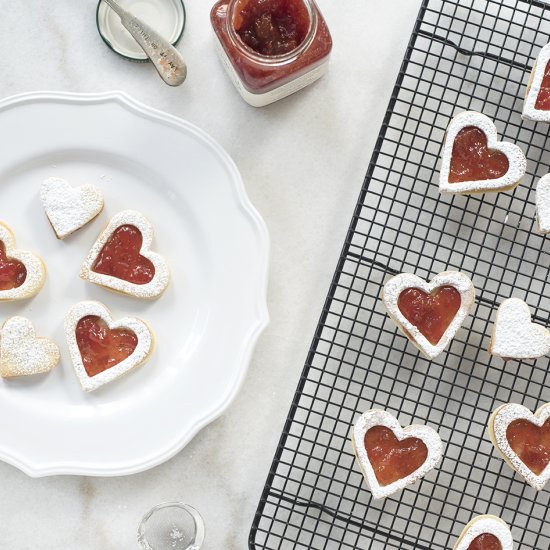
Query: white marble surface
x=303, y=175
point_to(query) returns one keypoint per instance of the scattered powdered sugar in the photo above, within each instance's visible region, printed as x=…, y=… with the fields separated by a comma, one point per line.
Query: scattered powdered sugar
x=515, y=336
x=498, y=425
x=543, y=204
x=141, y=353
x=378, y=417
x=162, y=274
x=396, y=285
x=485, y=524
x=533, y=88
x=22, y=353
x=516, y=158
x=36, y=271
x=69, y=208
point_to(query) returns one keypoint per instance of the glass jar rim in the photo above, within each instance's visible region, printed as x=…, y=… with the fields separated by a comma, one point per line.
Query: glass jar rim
x=288, y=57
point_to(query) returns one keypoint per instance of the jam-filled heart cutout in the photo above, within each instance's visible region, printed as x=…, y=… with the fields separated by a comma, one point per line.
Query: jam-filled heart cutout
x=102, y=348
x=531, y=443
x=472, y=160
x=120, y=257
x=543, y=97
x=431, y=313
x=13, y=273
x=485, y=532
x=392, y=459
x=485, y=541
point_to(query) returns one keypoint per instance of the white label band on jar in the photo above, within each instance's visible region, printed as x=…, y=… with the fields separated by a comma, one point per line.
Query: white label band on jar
x=260, y=100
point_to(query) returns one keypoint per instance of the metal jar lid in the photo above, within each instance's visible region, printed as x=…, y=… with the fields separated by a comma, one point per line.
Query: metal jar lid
x=165, y=16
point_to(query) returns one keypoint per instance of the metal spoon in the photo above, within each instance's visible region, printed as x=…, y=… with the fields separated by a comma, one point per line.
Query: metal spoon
x=167, y=60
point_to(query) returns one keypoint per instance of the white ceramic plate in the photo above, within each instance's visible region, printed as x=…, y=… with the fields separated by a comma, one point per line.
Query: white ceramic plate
x=207, y=321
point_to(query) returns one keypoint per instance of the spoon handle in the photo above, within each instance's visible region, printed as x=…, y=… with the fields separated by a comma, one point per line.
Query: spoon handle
x=167, y=60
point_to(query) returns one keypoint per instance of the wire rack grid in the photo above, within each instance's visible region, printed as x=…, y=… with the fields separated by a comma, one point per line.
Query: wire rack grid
x=467, y=54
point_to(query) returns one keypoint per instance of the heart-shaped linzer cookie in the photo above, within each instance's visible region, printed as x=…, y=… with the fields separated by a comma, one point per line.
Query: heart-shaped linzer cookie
x=474, y=161
x=515, y=336
x=22, y=274
x=485, y=533
x=523, y=440
x=69, y=208
x=22, y=353
x=429, y=313
x=392, y=457
x=543, y=204
x=102, y=349
x=121, y=258
x=537, y=98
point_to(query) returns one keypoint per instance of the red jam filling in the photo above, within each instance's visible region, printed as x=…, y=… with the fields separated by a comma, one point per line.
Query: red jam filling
x=471, y=159
x=530, y=443
x=100, y=347
x=272, y=27
x=543, y=99
x=390, y=458
x=120, y=257
x=430, y=313
x=12, y=272
x=485, y=542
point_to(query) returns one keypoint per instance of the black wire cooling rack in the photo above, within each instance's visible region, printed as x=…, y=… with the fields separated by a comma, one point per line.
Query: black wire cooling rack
x=467, y=54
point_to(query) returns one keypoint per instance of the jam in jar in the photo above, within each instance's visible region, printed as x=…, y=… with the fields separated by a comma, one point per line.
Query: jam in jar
x=271, y=48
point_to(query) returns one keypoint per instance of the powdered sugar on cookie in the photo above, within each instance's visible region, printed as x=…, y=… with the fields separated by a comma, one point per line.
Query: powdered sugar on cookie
x=69, y=208
x=543, y=204
x=530, y=110
x=482, y=525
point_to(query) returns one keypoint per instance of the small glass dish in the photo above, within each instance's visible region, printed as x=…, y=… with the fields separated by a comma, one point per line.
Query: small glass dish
x=171, y=526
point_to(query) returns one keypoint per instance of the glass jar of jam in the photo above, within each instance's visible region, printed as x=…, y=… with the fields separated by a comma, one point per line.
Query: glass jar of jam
x=271, y=48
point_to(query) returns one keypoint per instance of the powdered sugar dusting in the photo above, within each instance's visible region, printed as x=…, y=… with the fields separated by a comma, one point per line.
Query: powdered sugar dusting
x=516, y=158
x=498, y=424
x=485, y=524
x=396, y=285
x=543, y=204
x=378, y=417
x=22, y=353
x=533, y=88
x=141, y=353
x=69, y=208
x=161, y=278
x=36, y=270
x=515, y=336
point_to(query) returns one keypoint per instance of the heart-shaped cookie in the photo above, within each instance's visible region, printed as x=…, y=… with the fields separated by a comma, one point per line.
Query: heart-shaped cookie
x=22, y=353
x=523, y=440
x=102, y=349
x=69, y=208
x=474, y=161
x=121, y=259
x=537, y=98
x=22, y=274
x=485, y=533
x=429, y=313
x=515, y=336
x=543, y=204
x=376, y=437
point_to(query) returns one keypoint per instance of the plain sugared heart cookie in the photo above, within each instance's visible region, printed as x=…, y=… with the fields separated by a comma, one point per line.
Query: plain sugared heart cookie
x=485, y=533
x=102, y=349
x=22, y=274
x=537, y=98
x=22, y=353
x=121, y=258
x=392, y=457
x=69, y=208
x=515, y=336
x=543, y=204
x=474, y=161
x=429, y=313
x=523, y=440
